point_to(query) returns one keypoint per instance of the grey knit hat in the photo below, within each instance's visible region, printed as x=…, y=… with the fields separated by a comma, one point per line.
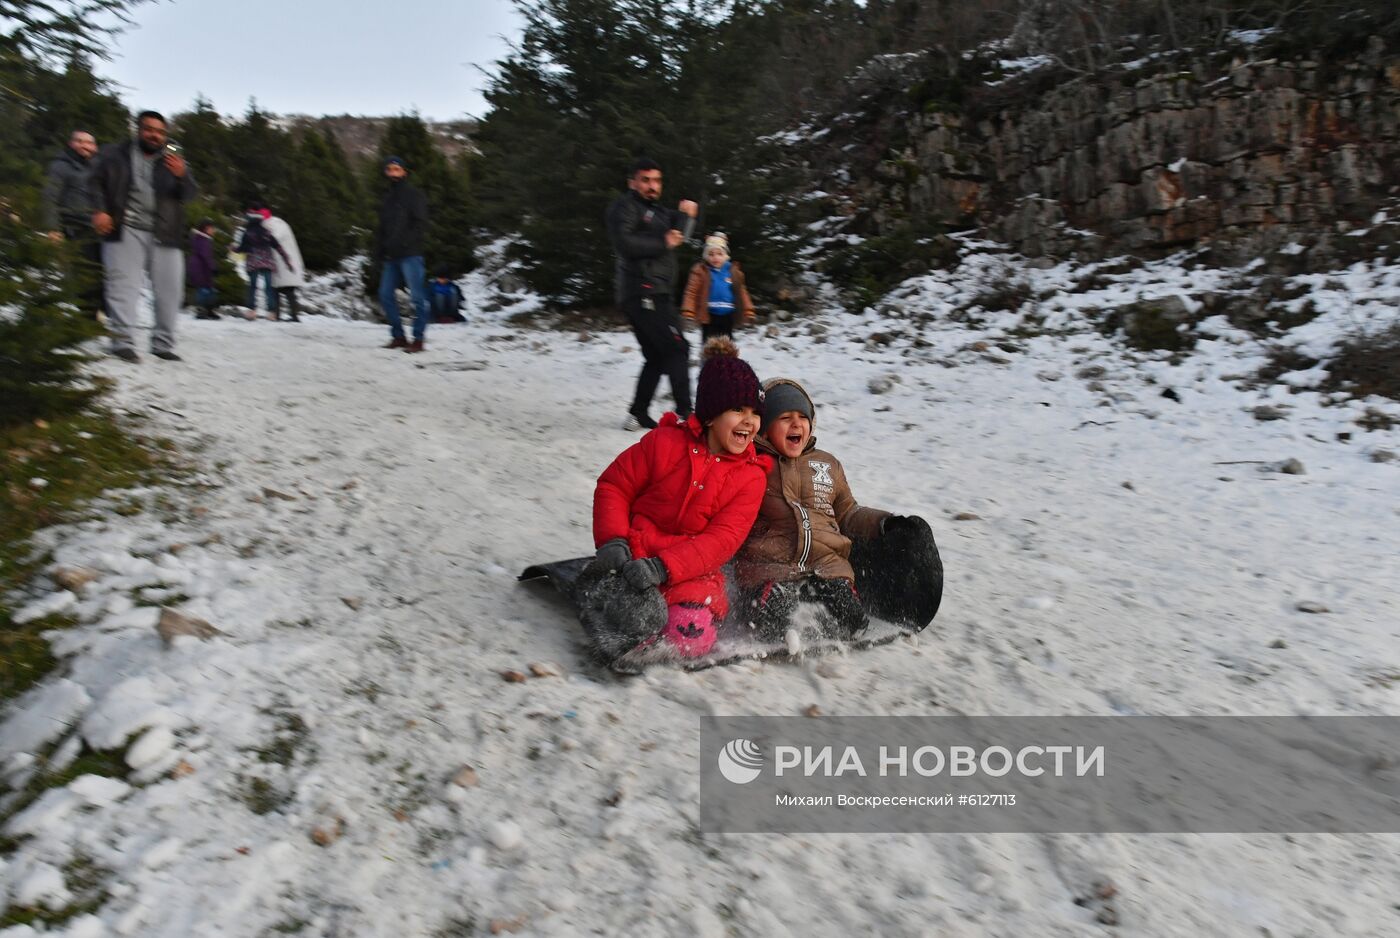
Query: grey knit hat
x=782, y=395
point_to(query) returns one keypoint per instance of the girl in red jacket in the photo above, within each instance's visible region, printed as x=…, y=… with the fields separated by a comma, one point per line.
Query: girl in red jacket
x=670, y=511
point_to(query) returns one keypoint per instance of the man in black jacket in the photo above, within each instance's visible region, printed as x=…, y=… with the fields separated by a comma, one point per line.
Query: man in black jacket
x=139, y=190
x=643, y=235
x=398, y=240
x=68, y=215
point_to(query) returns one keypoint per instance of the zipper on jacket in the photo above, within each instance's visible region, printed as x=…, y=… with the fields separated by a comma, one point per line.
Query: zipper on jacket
x=806, y=538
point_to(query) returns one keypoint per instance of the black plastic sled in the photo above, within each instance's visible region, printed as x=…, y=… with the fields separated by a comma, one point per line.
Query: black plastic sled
x=899, y=578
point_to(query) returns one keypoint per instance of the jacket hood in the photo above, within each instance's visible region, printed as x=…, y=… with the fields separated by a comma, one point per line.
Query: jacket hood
x=785, y=394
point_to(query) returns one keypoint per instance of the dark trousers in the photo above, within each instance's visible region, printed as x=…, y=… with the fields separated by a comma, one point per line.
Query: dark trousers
x=664, y=351
x=444, y=308
x=773, y=604
x=293, y=304
x=87, y=267
x=718, y=325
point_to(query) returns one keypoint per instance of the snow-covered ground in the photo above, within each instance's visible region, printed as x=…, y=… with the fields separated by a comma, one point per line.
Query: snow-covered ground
x=1108, y=550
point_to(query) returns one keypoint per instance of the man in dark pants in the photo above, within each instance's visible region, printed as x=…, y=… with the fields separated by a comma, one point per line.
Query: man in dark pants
x=643, y=236
x=68, y=215
x=398, y=239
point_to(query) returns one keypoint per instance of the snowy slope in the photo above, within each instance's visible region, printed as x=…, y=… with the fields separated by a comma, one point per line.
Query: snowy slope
x=367, y=513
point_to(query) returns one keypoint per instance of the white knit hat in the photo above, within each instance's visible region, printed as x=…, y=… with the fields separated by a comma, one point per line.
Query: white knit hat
x=718, y=241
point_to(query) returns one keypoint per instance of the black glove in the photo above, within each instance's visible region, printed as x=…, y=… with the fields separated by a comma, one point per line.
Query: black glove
x=645, y=573
x=612, y=555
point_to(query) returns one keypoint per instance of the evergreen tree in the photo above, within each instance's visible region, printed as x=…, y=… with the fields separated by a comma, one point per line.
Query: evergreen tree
x=325, y=205
x=206, y=141
x=594, y=84
x=728, y=114
x=262, y=156
x=588, y=89
x=49, y=90
x=72, y=99
x=41, y=331
x=306, y=179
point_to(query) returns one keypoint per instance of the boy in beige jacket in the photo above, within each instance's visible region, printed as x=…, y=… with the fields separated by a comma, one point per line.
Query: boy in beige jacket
x=800, y=547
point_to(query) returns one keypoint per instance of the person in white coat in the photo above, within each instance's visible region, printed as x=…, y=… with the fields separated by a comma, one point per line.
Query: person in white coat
x=290, y=271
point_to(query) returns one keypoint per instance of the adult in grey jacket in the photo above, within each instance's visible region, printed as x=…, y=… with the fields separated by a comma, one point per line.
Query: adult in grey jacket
x=643, y=235
x=67, y=205
x=139, y=190
x=67, y=215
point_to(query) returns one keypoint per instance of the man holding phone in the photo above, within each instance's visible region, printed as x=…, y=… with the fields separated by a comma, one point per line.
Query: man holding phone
x=139, y=190
x=644, y=235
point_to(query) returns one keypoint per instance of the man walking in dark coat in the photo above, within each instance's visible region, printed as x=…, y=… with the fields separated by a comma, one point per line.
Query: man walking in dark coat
x=643, y=236
x=398, y=240
x=68, y=215
x=139, y=189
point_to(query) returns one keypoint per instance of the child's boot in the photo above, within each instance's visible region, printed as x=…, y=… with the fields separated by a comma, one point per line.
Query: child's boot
x=842, y=615
x=690, y=629
x=770, y=610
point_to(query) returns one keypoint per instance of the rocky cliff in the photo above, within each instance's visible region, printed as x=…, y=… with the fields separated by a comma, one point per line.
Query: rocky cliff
x=1244, y=154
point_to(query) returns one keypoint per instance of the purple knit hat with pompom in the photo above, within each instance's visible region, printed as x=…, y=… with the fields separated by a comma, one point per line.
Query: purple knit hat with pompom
x=726, y=381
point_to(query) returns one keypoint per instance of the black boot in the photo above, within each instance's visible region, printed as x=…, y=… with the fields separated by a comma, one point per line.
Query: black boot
x=842, y=616
x=769, y=610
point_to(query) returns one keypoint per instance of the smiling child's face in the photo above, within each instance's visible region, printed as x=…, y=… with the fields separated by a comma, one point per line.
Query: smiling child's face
x=789, y=433
x=732, y=431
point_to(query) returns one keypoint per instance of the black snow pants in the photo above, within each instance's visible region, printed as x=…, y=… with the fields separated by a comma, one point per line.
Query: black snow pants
x=657, y=326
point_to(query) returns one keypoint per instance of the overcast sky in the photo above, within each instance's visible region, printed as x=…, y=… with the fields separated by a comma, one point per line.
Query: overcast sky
x=313, y=56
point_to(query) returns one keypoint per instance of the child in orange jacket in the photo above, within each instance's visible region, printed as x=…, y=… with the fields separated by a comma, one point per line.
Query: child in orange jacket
x=716, y=293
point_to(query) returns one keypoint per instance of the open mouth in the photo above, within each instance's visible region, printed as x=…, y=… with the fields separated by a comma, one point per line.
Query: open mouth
x=794, y=439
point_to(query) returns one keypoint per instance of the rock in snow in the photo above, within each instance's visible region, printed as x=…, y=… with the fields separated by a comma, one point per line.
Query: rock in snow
x=74, y=578
x=505, y=835
x=173, y=624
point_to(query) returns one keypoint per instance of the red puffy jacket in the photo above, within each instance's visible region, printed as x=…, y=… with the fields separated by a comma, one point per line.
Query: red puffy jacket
x=674, y=499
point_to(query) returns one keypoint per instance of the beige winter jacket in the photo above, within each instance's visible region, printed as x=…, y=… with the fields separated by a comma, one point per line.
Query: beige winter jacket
x=807, y=520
